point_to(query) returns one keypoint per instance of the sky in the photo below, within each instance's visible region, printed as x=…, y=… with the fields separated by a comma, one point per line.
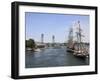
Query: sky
x=51, y=24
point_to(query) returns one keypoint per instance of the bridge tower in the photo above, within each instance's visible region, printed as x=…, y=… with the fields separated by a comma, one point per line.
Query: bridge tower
x=42, y=38
x=53, y=40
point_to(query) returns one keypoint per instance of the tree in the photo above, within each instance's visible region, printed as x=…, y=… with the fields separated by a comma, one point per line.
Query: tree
x=30, y=43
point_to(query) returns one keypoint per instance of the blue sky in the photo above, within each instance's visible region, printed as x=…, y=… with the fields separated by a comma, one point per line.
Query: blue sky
x=53, y=24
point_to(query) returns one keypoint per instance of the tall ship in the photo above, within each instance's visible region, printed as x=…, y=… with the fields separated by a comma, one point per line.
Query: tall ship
x=75, y=43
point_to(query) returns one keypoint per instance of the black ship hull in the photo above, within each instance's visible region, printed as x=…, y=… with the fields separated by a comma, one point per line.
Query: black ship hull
x=70, y=50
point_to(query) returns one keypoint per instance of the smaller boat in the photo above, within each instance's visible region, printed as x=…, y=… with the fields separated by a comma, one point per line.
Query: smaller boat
x=29, y=49
x=37, y=50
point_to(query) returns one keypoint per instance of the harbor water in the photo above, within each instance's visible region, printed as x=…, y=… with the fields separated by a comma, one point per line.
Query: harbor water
x=53, y=57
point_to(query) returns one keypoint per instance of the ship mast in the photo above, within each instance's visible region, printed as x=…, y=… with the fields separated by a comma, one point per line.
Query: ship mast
x=70, y=38
x=79, y=37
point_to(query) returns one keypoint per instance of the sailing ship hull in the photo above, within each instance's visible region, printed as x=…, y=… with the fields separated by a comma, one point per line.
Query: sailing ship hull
x=70, y=50
x=80, y=54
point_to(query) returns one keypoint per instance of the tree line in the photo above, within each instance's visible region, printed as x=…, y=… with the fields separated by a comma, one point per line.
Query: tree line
x=30, y=43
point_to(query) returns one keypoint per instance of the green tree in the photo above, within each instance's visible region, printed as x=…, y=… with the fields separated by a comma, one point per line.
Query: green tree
x=30, y=43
